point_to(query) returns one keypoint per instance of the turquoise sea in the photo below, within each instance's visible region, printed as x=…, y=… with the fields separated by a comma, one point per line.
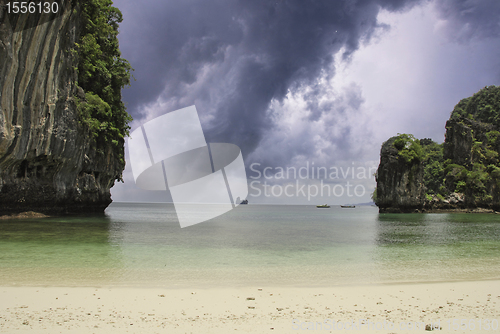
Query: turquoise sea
x=253, y=245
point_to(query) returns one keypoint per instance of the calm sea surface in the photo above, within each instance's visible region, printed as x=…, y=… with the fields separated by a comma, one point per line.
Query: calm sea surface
x=143, y=245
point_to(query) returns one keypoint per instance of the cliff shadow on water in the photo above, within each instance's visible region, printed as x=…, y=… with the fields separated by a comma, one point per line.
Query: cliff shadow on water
x=78, y=250
x=52, y=158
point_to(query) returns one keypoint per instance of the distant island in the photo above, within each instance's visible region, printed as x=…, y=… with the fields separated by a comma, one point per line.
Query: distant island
x=462, y=174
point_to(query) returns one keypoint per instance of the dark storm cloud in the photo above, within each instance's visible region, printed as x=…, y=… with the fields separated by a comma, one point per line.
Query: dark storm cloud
x=232, y=58
x=466, y=19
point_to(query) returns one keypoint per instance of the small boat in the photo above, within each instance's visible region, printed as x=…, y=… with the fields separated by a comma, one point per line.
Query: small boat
x=245, y=201
x=348, y=206
x=324, y=206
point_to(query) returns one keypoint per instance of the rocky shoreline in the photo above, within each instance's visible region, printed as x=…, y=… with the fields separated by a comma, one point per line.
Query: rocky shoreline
x=24, y=215
x=432, y=210
x=453, y=203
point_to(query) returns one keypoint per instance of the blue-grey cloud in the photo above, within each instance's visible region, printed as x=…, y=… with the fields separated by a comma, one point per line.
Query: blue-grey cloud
x=467, y=19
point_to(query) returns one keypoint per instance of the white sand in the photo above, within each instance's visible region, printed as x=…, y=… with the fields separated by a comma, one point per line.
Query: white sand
x=227, y=310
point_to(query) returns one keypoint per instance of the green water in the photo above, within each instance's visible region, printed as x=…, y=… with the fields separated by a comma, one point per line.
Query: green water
x=143, y=245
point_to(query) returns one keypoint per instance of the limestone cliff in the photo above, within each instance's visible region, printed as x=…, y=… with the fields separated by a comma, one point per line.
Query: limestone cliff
x=48, y=162
x=461, y=174
x=399, y=182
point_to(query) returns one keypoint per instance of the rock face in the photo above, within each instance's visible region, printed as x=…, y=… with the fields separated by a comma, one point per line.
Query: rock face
x=467, y=143
x=400, y=186
x=458, y=142
x=47, y=160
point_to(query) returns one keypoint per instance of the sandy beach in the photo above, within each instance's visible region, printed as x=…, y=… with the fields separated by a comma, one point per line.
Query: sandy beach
x=362, y=309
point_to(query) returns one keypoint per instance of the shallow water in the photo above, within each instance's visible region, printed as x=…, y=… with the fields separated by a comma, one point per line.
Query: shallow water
x=143, y=245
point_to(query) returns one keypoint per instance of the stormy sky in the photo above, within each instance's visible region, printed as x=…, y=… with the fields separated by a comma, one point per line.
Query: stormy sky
x=297, y=82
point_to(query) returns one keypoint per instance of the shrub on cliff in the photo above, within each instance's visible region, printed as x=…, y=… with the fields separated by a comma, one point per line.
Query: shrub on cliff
x=433, y=166
x=483, y=106
x=98, y=116
x=102, y=73
x=409, y=148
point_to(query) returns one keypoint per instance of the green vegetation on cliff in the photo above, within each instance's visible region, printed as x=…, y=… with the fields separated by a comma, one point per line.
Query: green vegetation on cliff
x=408, y=148
x=433, y=163
x=468, y=162
x=483, y=106
x=102, y=73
